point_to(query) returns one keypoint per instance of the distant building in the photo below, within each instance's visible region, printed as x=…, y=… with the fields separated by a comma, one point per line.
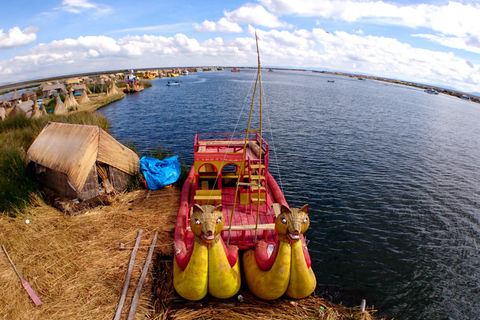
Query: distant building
x=52, y=89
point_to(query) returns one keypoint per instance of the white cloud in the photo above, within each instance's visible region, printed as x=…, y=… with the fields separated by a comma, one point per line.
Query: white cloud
x=316, y=49
x=248, y=14
x=451, y=19
x=469, y=43
x=79, y=6
x=17, y=38
x=222, y=26
x=254, y=14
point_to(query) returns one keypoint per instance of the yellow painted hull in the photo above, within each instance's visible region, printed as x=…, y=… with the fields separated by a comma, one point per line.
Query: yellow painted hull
x=271, y=284
x=302, y=279
x=192, y=283
x=288, y=275
x=207, y=271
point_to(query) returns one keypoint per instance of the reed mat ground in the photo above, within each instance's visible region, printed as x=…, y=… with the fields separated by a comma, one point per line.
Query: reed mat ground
x=77, y=265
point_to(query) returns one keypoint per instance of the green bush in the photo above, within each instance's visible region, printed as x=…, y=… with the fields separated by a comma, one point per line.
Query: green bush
x=16, y=185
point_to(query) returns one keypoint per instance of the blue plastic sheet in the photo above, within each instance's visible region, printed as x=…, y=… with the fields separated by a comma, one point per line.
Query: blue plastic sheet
x=160, y=173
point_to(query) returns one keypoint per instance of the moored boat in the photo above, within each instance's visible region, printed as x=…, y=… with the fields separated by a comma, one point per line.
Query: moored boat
x=132, y=84
x=230, y=203
x=171, y=83
x=431, y=91
x=235, y=69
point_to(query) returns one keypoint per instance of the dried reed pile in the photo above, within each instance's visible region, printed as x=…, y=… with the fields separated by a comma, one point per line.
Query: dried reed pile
x=75, y=264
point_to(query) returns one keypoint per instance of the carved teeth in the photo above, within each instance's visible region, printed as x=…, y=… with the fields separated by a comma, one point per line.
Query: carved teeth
x=209, y=237
x=294, y=236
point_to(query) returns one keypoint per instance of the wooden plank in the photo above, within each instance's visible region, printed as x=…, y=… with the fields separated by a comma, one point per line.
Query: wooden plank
x=118, y=314
x=207, y=197
x=265, y=226
x=133, y=307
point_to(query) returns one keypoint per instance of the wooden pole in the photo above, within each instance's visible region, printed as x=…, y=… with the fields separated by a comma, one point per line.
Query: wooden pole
x=118, y=314
x=133, y=307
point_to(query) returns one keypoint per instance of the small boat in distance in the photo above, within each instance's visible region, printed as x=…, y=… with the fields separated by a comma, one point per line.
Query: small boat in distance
x=431, y=91
x=331, y=81
x=132, y=84
x=176, y=83
x=235, y=69
x=149, y=75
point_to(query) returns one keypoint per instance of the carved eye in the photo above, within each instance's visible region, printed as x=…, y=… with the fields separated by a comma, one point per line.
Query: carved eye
x=305, y=220
x=197, y=221
x=284, y=220
x=219, y=220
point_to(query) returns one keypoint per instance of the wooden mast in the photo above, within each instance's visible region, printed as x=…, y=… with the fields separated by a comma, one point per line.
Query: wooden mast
x=242, y=164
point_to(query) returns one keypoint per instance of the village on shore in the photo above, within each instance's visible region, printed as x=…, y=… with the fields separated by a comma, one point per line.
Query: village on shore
x=77, y=89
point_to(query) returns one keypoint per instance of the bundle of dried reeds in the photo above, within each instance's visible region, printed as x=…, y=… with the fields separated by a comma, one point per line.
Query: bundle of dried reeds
x=75, y=264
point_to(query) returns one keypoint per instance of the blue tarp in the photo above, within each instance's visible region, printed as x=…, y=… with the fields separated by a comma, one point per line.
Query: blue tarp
x=160, y=173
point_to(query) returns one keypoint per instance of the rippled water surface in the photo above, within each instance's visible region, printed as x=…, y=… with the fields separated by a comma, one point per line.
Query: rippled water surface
x=391, y=175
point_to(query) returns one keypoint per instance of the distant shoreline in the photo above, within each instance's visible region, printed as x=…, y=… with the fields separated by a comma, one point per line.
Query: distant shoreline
x=7, y=88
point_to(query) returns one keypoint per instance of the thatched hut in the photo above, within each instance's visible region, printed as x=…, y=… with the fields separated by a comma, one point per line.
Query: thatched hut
x=23, y=109
x=114, y=89
x=5, y=102
x=29, y=95
x=70, y=101
x=16, y=96
x=51, y=89
x=59, y=106
x=84, y=98
x=79, y=88
x=80, y=161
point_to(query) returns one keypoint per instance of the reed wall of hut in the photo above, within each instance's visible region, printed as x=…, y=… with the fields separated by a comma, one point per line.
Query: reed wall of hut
x=61, y=184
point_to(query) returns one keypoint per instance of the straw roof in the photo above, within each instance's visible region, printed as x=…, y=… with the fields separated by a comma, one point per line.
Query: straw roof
x=70, y=100
x=73, y=149
x=59, y=106
x=84, y=98
x=79, y=87
x=21, y=109
x=54, y=87
x=16, y=96
x=113, y=88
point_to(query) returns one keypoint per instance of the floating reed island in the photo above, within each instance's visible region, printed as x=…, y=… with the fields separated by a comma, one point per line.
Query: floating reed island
x=79, y=264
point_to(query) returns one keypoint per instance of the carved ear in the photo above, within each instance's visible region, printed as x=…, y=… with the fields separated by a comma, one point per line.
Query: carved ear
x=305, y=209
x=197, y=208
x=285, y=209
x=219, y=207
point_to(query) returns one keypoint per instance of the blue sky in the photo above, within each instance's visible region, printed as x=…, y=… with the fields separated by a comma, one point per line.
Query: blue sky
x=432, y=42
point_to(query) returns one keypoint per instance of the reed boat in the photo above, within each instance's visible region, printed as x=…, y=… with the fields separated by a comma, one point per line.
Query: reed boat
x=132, y=84
x=231, y=205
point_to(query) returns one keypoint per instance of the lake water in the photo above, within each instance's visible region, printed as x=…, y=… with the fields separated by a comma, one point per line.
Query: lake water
x=391, y=174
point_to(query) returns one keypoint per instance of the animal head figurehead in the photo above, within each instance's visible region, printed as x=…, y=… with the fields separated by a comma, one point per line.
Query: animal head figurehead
x=207, y=222
x=291, y=223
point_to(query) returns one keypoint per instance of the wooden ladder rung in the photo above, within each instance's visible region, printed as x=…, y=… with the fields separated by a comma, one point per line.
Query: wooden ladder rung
x=264, y=226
